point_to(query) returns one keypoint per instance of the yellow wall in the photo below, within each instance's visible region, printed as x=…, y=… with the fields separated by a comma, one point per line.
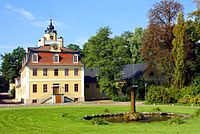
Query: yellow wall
x=41, y=94
x=47, y=36
x=50, y=79
x=93, y=92
x=61, y=74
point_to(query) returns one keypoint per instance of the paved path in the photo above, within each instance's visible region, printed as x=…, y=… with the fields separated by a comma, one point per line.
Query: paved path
x=90, y=103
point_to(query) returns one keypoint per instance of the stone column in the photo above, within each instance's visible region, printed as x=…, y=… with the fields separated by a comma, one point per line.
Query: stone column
x=133, y=93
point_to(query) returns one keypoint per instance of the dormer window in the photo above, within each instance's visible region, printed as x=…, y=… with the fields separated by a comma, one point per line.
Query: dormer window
x=75, y=58
x=56, y=58
x=35, y=58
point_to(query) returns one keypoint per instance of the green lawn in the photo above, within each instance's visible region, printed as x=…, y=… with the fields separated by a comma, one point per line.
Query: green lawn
x=49, y=120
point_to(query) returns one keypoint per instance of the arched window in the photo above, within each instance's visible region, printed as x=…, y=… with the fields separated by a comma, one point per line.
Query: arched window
x=35, y=58
x=56, y=58
x=75, y=58
x=51, y=37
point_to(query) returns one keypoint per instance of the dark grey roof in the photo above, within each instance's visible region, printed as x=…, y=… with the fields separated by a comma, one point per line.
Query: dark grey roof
x=90, y=75
x=129, y=71
x=133, y=70
x=50, y=28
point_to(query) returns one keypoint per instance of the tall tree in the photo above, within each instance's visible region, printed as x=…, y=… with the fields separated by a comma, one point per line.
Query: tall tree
x=108, y=55
x=74, y=47
x=11, y=64
x=136, y=44
x=157, y=40
x=179, y=52
x=193, y=34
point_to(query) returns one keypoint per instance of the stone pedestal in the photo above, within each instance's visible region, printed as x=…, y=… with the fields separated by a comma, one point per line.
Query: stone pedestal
x=133, y=89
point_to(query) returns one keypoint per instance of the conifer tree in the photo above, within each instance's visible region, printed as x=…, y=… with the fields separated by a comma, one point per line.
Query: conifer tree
x=179, y=52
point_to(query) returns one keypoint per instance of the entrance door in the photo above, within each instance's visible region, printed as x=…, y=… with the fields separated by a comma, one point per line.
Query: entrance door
x=58, y=98
x=55, y=90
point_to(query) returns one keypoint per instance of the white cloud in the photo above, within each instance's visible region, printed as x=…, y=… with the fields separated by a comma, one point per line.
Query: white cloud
x=32, y=19
x=26, y=14
x=197, y=3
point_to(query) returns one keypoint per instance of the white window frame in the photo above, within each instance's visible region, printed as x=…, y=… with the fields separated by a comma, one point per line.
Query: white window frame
x=75, y=55
x=56, y=55
x=35, y=54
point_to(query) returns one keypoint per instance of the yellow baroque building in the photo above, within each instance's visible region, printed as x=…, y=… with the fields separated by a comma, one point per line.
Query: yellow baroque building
x=50, y=73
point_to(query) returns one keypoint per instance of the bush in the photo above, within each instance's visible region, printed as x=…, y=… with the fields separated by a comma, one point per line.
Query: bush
x=99, y=121
x=106, y=110
x=159, y=94
x=197, y=113
x=121, y=98
x=177, y=120
x=66, y=115
x=190, y=95
x=156, y=109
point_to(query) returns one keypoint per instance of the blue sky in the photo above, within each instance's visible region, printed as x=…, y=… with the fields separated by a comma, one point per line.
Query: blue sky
x=23, y=22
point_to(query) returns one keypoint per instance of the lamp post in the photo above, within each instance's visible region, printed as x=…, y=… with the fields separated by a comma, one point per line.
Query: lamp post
x=145, y=88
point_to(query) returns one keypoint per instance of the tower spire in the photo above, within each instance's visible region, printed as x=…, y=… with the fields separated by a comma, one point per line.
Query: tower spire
x=50, y=28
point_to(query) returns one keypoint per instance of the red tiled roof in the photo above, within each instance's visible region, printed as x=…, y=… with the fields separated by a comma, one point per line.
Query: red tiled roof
x=48, y=48
x=46, y=58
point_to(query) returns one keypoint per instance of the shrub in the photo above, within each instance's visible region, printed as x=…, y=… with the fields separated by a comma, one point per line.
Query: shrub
x=177, y=120
x=159, y=94
x=197, y=113
x=99, y=121
x=121, y=98
x=106, y=110
x=190, y=95
x=156, y=109
x=66, y=115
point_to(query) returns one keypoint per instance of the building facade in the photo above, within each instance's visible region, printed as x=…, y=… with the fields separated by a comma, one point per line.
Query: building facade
x=50, y=72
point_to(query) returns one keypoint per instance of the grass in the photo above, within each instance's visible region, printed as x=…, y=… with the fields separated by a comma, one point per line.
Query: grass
x=69, y=120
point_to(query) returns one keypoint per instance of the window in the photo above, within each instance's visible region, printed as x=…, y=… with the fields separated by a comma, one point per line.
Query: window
x=45, y=72
x=66, y=88
x=34, y=88
x=51, y=37
x=34, y=101
x=75, y=58
x=44, y=88
x=75, y=87
x=66, y=72
x=55, y=72
x=151, y=74
x=56, y=58
x=35, y=58
x=75, y=72
x=34, y=72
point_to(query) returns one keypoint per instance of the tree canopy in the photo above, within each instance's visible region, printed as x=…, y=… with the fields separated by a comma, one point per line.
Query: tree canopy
x=74, y=47
x=134, y=40
x=157, y=40
x=107, y=54
x=12, y=63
